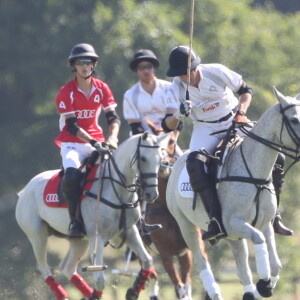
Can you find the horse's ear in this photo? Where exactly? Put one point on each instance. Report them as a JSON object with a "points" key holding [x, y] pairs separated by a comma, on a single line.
{"points": [[162, 137], [297, 97], [145, 135], [282, 99]]}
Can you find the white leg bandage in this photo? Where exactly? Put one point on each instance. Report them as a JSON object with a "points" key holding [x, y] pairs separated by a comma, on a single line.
{"points": [[262, 261], [209, 282]]}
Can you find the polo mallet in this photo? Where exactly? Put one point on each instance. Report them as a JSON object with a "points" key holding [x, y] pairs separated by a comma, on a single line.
{"points": [[94, 267], [187, 96]]}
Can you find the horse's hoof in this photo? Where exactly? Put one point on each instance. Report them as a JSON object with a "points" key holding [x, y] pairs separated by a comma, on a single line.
{"points": [[154, 298], [248, 296], [264, 288], [131, 294]]}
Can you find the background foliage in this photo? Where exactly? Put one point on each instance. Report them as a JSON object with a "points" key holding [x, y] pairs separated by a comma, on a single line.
{"points": [[259, 39]]}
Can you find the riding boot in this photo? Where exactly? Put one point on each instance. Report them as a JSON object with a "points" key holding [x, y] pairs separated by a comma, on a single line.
{"points": [[147, 229], [278, 180], [201, 183], [71, 190]]}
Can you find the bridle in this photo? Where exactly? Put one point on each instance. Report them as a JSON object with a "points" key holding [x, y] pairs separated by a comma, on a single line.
{"points": [[292, 153], [140, 182]]}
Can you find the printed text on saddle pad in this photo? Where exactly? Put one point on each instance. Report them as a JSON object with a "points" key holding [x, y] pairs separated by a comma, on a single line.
{"points": [[52, 195]]}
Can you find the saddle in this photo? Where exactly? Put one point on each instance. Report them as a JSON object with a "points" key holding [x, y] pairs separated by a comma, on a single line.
{"points": [[53, 195]]}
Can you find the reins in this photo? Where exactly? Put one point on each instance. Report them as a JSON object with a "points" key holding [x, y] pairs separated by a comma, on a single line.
{"points": [[262, 184], [110, 165]]}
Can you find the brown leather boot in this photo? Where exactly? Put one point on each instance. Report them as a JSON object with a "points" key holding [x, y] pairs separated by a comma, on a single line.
{"points": [[280, 228]]}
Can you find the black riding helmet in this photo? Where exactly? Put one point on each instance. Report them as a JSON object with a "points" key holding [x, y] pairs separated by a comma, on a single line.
{"points": [[143, 54], [178, 61], [82, 51]]}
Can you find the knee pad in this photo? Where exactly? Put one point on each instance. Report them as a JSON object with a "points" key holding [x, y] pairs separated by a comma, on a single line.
{"points": [[195, 165]]}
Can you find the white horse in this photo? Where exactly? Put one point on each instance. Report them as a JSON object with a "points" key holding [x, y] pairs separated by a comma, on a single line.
{"points": [[247, 198], [136, 160]]}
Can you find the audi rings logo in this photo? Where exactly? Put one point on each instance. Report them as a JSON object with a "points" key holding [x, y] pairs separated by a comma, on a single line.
{"points": [[185, 187], [52, 198], [85, 114]]}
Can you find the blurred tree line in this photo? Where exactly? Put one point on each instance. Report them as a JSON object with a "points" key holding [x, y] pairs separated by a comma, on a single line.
{"points": [[250, 37]]}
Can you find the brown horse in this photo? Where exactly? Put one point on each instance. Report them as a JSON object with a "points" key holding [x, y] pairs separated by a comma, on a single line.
{"points": [[168, 241]]}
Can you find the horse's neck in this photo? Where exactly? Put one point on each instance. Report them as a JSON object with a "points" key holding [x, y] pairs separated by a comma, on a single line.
{"points": [[259, 158]]}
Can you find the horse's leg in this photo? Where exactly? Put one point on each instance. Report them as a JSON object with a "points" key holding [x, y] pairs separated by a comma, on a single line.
{"points": [[154, 286], [240, 253], [170, 267], [97, 259], [70, 263], [135, 243], [185, 262], [275, 263], [37, 232], [240, 228], [39, 244], [192, 238]]}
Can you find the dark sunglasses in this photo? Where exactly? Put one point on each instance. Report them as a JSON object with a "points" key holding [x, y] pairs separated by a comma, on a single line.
{"points": [[145, 67], [84, 61]]}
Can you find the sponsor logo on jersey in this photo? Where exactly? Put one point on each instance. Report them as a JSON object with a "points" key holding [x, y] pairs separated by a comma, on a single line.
{"points": [[85, 114], [211, 107], [185, 187], [50, 198]]}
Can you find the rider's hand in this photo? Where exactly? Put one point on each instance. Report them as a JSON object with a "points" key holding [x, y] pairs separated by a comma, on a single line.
{"points": [[98, 146], [184, 110], [241, 118], [112, 142]]}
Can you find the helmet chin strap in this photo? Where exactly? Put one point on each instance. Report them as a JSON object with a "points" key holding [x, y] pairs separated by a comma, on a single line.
{"points": [[87, 77]]}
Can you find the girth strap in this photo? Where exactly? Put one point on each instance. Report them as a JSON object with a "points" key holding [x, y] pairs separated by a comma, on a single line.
{"points": [[250, 180], [112, 205]]}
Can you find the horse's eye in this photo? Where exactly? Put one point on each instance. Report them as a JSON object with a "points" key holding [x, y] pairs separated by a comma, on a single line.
{"points": [[295, 120]]}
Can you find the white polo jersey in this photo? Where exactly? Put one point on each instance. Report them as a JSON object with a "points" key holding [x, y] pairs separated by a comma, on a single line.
{"points": [[213, 98], [139, 104]]}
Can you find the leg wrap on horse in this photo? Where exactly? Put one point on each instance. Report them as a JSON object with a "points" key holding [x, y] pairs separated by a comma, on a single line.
{"points": [[57, 289], [82, 285], [140, 281]]}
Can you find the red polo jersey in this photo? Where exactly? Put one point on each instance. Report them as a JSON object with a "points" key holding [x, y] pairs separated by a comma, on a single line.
{"points": [[71, 99]]}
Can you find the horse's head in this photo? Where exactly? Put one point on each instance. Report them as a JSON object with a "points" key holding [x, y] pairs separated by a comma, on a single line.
{"points": [[147, 158], [290, 110]]}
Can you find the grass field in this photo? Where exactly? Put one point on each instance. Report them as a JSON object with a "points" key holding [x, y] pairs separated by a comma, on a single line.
{"points": [[117, 285]]}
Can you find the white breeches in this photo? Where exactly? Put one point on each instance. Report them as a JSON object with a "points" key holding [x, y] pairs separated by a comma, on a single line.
{"points": [[73, 154], [201, 137]]}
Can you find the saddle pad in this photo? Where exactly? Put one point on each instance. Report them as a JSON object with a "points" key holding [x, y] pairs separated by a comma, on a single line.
{"points": [[184, 187], [51, 191], [50, 196]]}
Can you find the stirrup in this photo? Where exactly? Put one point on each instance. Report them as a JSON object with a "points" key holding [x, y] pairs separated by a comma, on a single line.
{"points": [[76, 230], [147, 229], [214, 232], [279, 228]]}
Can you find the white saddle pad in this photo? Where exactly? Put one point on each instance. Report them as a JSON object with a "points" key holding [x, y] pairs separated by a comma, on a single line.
{"points": [[184, 186]]}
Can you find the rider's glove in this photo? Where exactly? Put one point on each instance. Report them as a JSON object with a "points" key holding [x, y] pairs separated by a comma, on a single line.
{"points": [[112, 142], [98, 146], [184, 110], [241, 117]]}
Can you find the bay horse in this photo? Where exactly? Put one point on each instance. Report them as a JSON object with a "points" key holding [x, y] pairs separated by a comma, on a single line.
{"points": [[136, 160], [247, 199], [168, 241]]}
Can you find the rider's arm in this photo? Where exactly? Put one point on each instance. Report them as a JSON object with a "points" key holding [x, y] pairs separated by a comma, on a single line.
{"points": [[74, 129], [245, 96]]}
